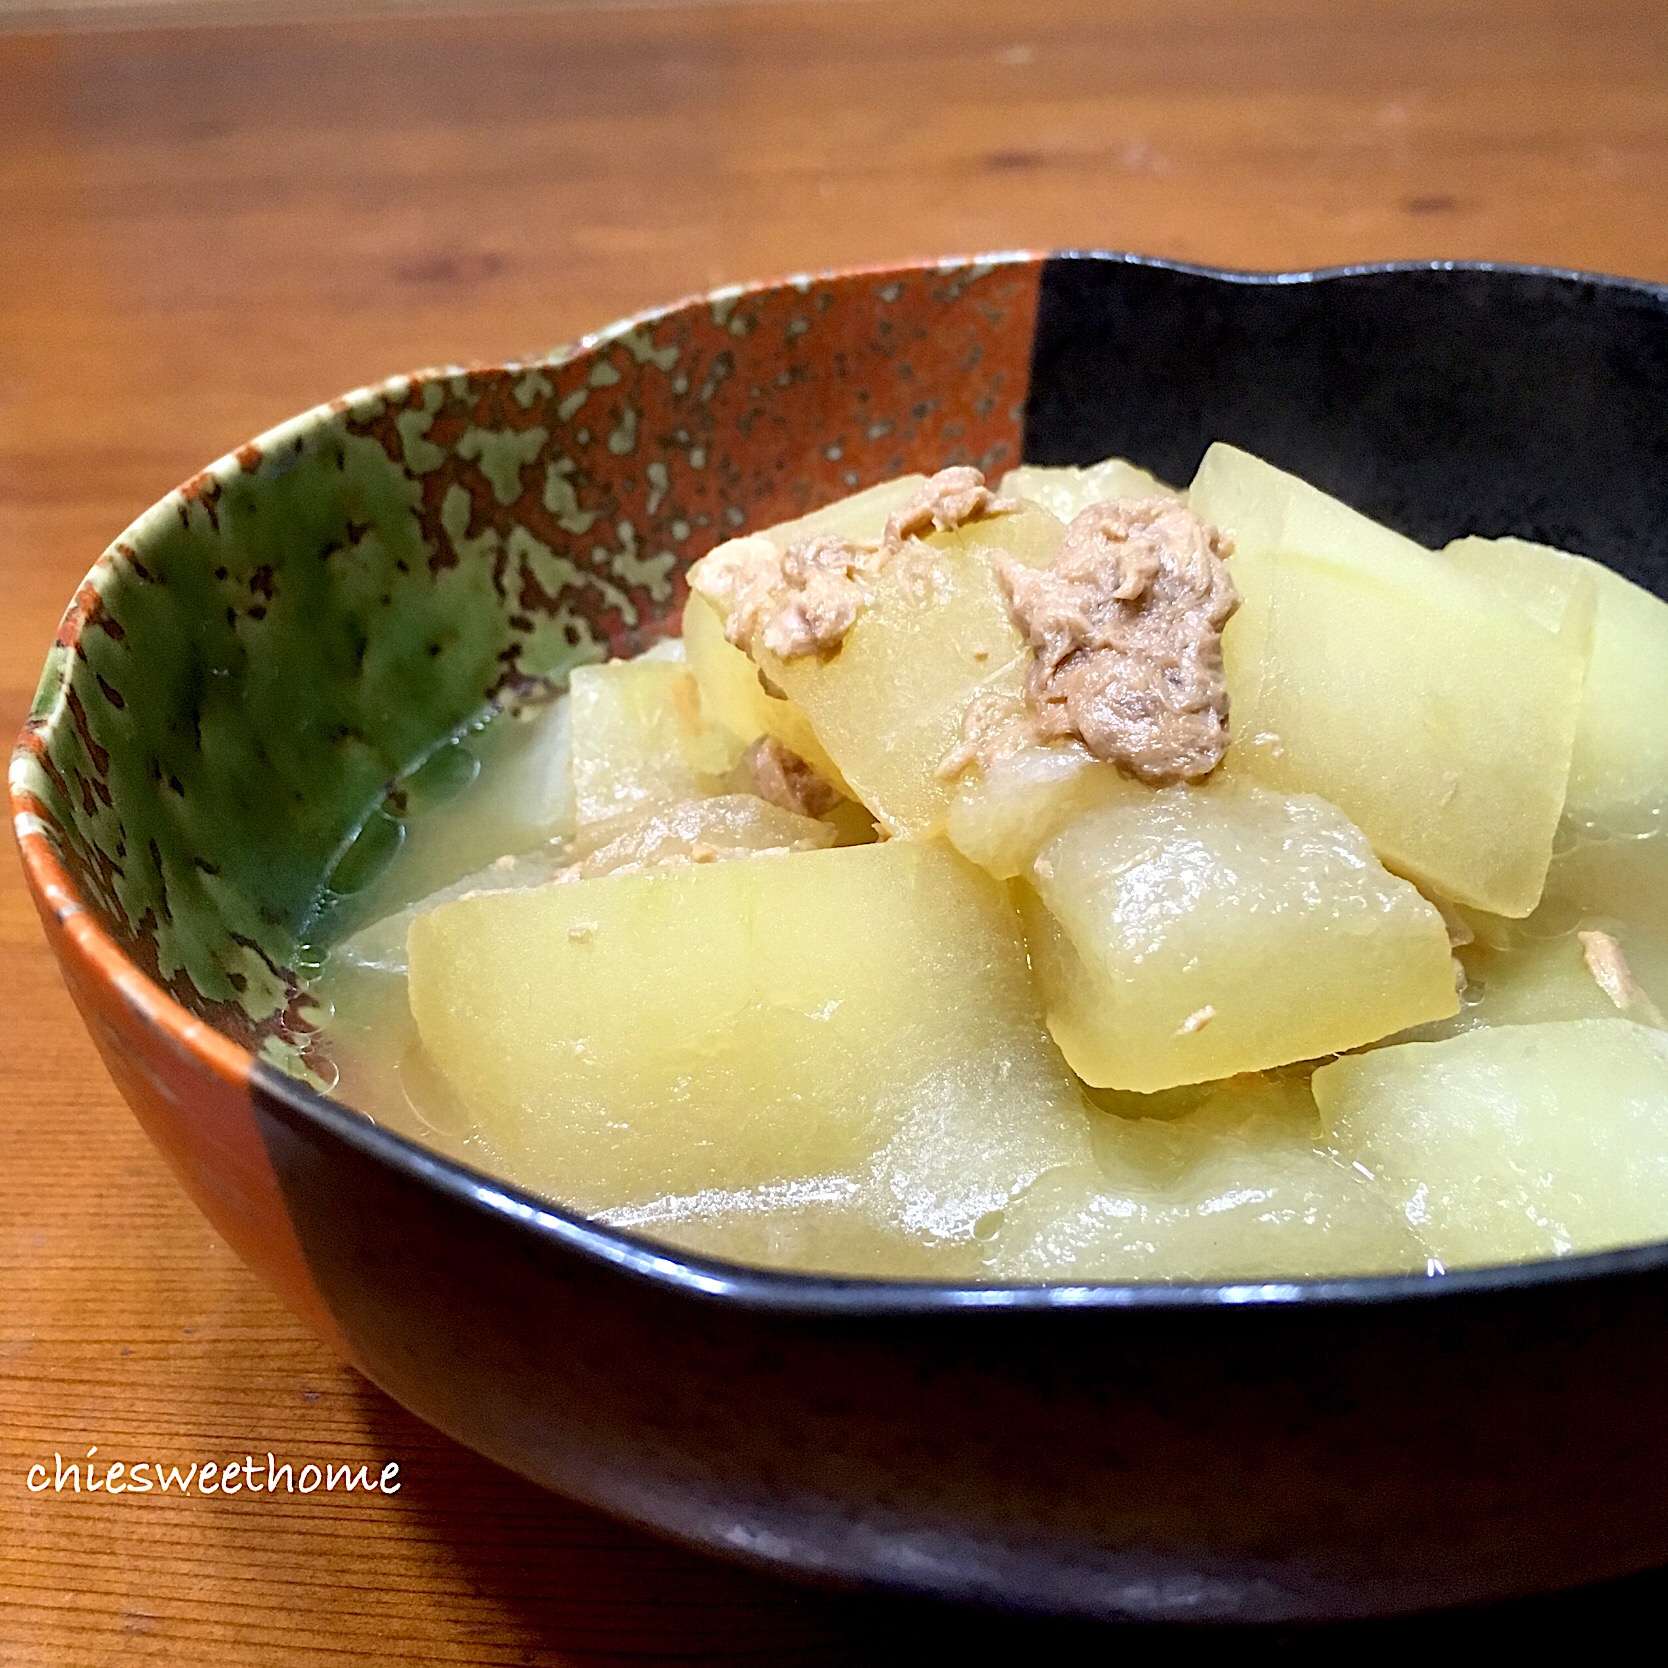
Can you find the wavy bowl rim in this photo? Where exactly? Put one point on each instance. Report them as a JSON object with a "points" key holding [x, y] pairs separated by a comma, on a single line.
{"points": [[715, 1279]]}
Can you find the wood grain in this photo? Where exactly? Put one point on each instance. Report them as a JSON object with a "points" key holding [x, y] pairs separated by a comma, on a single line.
{"points": [[203, 230]]}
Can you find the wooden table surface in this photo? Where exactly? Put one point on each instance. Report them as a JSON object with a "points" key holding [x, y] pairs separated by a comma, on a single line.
{"points": [[208, 223]]}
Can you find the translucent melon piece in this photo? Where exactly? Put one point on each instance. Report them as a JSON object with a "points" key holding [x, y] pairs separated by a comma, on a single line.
{"points": [[1509, 1144], [1001, 817], [1619, 766], [922, 1207], [1553, 588], [731, 1025], [1065, 489], [640, 737], [1192, 933], [720, 828], [1271, 513], [1238, 1188], [1030, 534], [732, 694], [669, 649], [862, 516], [525, 786], [936, 633], [1413, 695]]}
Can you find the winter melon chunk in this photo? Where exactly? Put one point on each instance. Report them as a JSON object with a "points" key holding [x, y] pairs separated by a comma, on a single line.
{"points": [[1240, 1187], [1192, 933], [1000, 816], [1437, 714], [737, 1024], [1515, 1142], [1619, 765], [1064, 489], [730, 681], [732, 693], [640, 736], [935, 635]]}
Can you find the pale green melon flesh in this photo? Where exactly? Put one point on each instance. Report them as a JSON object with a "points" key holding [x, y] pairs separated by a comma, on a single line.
{"points": [[731, 1025], [1619, 765], [861, 517], [732, 693], [1516, 1142], [1065, 489], [641, 737], [1238, 1188], [935, 635], [1001, 815], [1395, 684], [1524, 972], [1192, 933]]}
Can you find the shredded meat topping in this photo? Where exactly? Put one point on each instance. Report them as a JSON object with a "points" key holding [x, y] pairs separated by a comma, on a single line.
{"points": [[735, 569], [803, 600], [780, 776], [798, 601], [1610, 971], [1126, 626], [951, 498]]}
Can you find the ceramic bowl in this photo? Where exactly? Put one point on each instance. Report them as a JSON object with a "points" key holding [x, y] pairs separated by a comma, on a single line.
{"points": [[250, 672]]}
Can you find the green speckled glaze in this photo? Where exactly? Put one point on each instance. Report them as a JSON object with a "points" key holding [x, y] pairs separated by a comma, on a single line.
{"points": [[249, 677]]}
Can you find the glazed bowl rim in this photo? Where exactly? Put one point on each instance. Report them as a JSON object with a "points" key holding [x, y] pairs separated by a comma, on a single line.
{"points": [[643, 1259]]}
